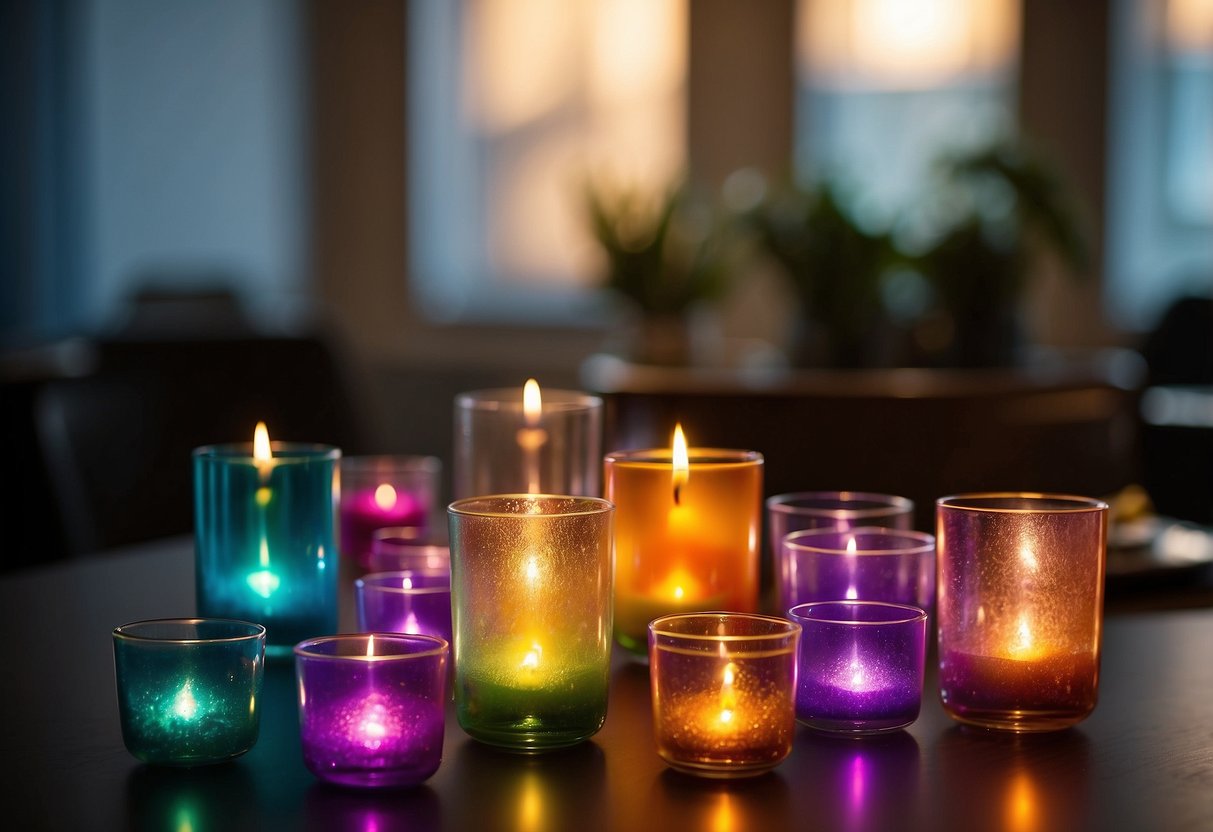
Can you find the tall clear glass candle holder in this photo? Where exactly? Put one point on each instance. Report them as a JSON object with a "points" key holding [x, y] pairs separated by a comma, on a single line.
{"points": [[531, 593], [1020, 608]]}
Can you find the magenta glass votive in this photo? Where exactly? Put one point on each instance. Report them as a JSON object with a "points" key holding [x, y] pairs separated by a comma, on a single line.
{"points": [[371, 707], [402, 547], [409, 601], [382, 491], [861, 564], [860, 665]]}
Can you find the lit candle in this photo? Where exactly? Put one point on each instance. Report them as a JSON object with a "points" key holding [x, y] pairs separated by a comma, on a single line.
{"points": [[264, 528], [381, 492], [688, 529], [722, 691], [531, 580], [371, 707], [188, 688], [1020, 608]]}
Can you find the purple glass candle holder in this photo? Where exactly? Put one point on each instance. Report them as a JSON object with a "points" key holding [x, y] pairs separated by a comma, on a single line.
{"points": [[371, 707], [865, 564], [411, 601], [382, 491], [860, 665], [398, 548]]}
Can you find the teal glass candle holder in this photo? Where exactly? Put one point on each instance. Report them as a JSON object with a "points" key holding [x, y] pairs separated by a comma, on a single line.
{"points": [[264, 531], [531, 596], [188, 688]]}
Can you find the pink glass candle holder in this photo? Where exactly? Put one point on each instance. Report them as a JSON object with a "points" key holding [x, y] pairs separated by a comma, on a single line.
{"points": [[402, 547], [371, 707], [410, 601], [722, 686], [867, 563], [860, 665], [384, 491], [1020, 608]]}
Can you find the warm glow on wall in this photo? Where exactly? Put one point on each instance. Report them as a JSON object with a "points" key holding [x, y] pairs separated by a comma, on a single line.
{"points": [[904, 44], [1190, 25]]}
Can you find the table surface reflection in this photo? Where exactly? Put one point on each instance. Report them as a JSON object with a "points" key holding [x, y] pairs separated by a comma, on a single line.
{"points": [[1144, 760]]}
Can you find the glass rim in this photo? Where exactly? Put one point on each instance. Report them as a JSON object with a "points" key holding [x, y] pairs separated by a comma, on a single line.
{"points": [[362, 463], [889, 504], [306, 648], [1078, 503], [592, 506], [124, 632], [429, 571], [925, 541], [701, 457], [281, 450], [509, 400], [918, 613], [789, 628]]}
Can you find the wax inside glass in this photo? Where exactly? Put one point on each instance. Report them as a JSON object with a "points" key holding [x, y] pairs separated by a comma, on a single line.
{"points": [[689, 551], [265, 538], [1020, 608], [188, 689], [864, 563], [385, 491], [371, 708], [397, 548], [722, 689], [407, 601], [860, 665]]}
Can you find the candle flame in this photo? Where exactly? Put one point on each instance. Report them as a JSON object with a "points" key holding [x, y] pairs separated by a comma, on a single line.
{"points": [[407, 583], [261, 444], [373, 723], [370, 646], [184, 704], [728, 698], [1028, 558], [531, 660], [531, 570], [678, 593], [856, 674], [385, 497], [1025, 636], [532, 402], [852, 593], [412, 625], [681, 463], [851, 546]]}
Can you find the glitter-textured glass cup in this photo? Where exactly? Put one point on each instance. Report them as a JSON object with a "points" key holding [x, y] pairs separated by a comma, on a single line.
{"points": [[865, 563], [722, 686], [1020, 608], [371, 707], [401, 547], [385, 491], [860, 665], [188, 688], [410, 601], [531, 588]]}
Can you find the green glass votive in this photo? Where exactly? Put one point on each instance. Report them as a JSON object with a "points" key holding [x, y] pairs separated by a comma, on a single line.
{"points": [[188, 688], [264, 529], [531, 602]]}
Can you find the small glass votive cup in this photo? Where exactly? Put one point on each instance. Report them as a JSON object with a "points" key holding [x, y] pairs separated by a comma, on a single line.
{"points": [[188, 688], [415, 601], [865, 563], [371, 707], [385, 491], [722, 686], [1021, 580], [397, 548], [860, 665]]}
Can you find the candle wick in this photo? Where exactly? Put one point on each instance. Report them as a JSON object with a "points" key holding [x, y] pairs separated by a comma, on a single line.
{"points": [[677, 493]]}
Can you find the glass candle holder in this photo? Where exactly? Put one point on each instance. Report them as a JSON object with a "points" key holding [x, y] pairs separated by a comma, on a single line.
{"points": [[683, 544], [1020, 608], [188, 688], [400, 547], [504, 447], [410, 601], [860, 665], [868, 564], [531, 585], [371, 707], [264, 535], [385, 491], [722, 688]]}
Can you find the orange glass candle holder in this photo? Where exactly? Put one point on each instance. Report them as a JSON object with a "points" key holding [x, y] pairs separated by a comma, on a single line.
{"points": [[1020, 608], [685, 541]]}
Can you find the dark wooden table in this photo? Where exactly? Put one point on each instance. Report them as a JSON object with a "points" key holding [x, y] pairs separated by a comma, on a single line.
{"points": [[1144, 760]]}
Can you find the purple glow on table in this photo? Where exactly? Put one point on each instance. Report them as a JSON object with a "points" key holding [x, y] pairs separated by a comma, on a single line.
{"points": [[860, 665], [866, 564], [409, 601], [363, 512], [371, 708]]}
